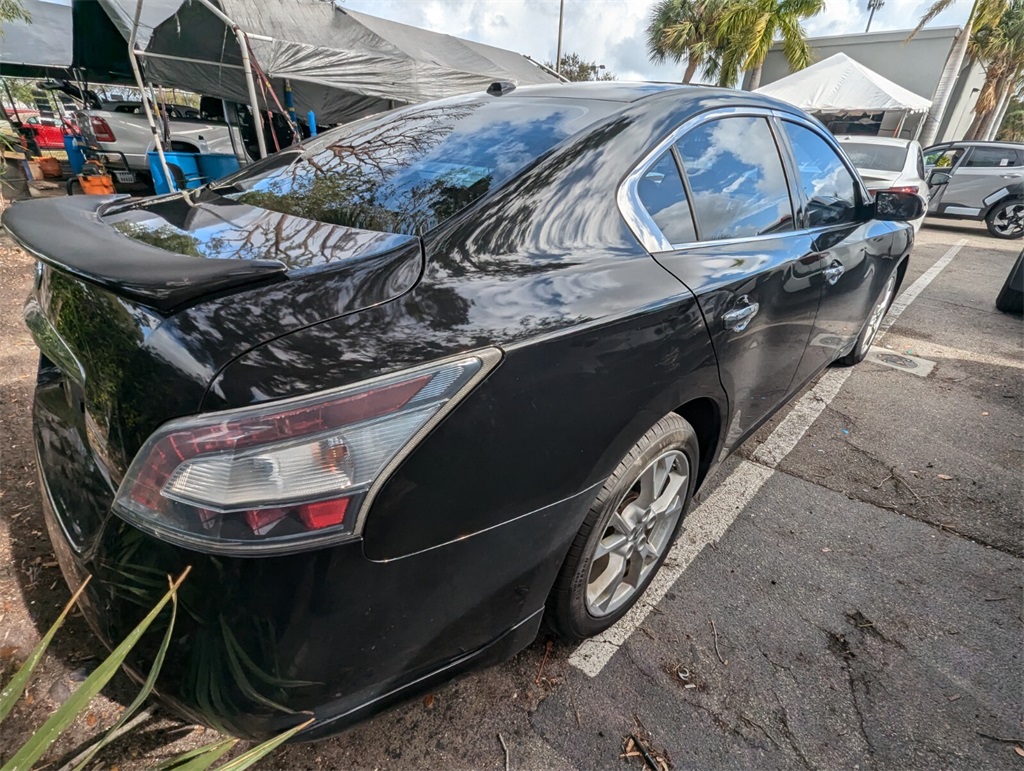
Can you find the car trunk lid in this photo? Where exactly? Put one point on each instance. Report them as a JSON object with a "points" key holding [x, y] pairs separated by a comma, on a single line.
{"points": [[144, 302]]}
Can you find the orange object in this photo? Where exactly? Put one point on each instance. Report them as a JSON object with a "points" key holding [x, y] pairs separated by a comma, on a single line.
{"points": [[97, 184], [50, 167]]}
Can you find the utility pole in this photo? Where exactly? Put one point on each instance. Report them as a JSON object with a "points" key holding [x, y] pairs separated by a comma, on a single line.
{"points": [[558, 54], [873, 5]]}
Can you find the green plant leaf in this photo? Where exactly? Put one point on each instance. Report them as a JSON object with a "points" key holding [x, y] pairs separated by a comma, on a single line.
{"points": [[10, 695], [41, 740], [248, 758], [198, 759], [140, 699]]}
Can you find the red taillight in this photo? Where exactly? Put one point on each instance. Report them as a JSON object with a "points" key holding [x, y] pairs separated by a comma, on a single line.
{"points": [[101, 130], [273, 477], [906, 189]]}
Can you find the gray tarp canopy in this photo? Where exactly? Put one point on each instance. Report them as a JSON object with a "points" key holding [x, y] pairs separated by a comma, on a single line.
{"points": [[45, 42], [340, 63]]}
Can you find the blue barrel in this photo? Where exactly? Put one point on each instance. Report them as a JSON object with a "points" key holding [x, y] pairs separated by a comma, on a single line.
{"points": [[76, 157], [181, 165], [216, 165]]}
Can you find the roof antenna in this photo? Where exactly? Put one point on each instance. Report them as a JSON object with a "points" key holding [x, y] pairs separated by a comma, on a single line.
{"points": [[500, 88]]}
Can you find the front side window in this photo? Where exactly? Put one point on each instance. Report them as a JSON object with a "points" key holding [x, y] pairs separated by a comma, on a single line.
{"points": [[992, 157], [943, 157], [828, 186], [736, 179], [662, 194]]}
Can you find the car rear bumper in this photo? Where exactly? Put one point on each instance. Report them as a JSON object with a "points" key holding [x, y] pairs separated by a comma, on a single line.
{"points": [[329, 632]]}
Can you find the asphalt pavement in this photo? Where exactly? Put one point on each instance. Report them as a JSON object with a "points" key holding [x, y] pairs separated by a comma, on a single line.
{"points": [[862, 609], [847, 592]]}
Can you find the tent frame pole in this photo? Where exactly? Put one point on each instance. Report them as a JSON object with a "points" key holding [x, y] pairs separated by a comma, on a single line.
{"points": [[145, 102], [243, 44], [903, 118]]}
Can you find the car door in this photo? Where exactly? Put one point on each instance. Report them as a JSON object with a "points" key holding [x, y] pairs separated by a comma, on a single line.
{"points": [[985, 171], [939, 159], [721, 219], [848, 245]]}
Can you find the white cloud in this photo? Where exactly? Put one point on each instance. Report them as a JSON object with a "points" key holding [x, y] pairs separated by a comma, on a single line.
{"points": [[611, 32]]}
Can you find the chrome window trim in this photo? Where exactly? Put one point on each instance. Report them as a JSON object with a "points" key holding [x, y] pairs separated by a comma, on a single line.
{"points": [[640, 221]]}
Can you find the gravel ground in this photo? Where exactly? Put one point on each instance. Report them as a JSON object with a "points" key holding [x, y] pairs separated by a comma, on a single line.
{"points": [[868, 611]]}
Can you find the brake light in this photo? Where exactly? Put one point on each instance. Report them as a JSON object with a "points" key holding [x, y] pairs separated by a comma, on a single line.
{"points": [[906, 189], [101, 130], [290, 474]]}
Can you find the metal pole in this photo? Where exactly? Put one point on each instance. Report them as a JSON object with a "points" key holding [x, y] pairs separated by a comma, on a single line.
{"points": [[247, 69], [558, 54], [145, 102], [873, 5], [899, 127]]}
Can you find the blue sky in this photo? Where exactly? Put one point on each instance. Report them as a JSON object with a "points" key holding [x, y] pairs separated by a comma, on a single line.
{"points": [[611, 32]]}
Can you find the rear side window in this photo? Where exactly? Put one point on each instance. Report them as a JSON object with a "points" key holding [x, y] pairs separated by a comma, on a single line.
{"points": [[992, 157], [827, 184], [920, 165], [407, 172], [662, 194], [736, 179]]}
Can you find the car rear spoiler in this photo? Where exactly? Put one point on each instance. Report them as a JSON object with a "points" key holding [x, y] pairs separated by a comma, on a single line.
{"points": [[67, 233]]}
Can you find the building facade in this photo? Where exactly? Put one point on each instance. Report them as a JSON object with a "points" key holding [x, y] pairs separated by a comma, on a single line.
{"points": [[916, 65]]}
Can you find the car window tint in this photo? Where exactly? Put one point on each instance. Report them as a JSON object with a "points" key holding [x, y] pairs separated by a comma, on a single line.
{"points": [[662, 194], [920, 164], [827, 184], [736, 179], [992, 157], [865, 155], [409, 170]]}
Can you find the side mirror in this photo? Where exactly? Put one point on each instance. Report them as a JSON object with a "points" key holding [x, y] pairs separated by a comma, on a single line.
{"points": [[938, 178], [899, 207]]}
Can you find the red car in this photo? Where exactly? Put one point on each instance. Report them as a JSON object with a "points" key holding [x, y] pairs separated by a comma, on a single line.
{"points": [[49, 135]]}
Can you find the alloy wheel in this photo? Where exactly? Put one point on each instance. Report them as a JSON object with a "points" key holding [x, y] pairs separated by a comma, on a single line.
{"points": [[1009, 221], [879, 311], [637, 533]]}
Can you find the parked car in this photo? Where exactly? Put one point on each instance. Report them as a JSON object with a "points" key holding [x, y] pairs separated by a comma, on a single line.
{"points": [[48, 132], [887, 163], [400, 393], [978, 181], [122, 132]]}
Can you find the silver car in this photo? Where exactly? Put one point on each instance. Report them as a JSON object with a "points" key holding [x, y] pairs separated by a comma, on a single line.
{"points": [[887, 163], [978, 181]]}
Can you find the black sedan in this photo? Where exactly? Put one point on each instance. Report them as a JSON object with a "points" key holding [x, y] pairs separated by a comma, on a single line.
{"points": [[402, 392]]}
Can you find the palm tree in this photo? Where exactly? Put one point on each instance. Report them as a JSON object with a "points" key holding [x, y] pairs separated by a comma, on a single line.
{"points": [[1000, 48], [983, 12], [748, 28], [684, 29]]}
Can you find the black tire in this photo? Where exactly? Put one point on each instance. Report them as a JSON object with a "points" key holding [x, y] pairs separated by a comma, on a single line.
{"points": [[567, 610], [869, 331], [1006, 220], [1011, 297]]}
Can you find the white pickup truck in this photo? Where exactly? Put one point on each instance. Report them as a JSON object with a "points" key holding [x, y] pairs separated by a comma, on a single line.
{"points": [[121, 132]]}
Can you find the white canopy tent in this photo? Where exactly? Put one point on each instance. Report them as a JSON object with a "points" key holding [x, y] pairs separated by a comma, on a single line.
{"points": [[841, 85]]}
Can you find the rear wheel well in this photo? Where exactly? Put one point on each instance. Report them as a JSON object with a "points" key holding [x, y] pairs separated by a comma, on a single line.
{"points": [[704, 416]]}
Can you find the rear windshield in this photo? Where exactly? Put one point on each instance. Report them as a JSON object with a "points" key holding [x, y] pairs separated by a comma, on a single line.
{"points": [[410, 171], [881, 157]]}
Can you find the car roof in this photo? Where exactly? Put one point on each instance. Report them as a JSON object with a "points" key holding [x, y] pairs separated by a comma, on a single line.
{"points": [[891, 141], [605, 90], [634, 91], [977, 143]]}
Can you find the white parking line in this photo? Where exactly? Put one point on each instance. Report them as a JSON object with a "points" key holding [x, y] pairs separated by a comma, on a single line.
{"points": [[709, 521]]}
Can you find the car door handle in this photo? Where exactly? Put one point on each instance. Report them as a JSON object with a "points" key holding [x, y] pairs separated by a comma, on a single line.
{"points": [[738, 318], [1011, 176], [834, 272]]}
